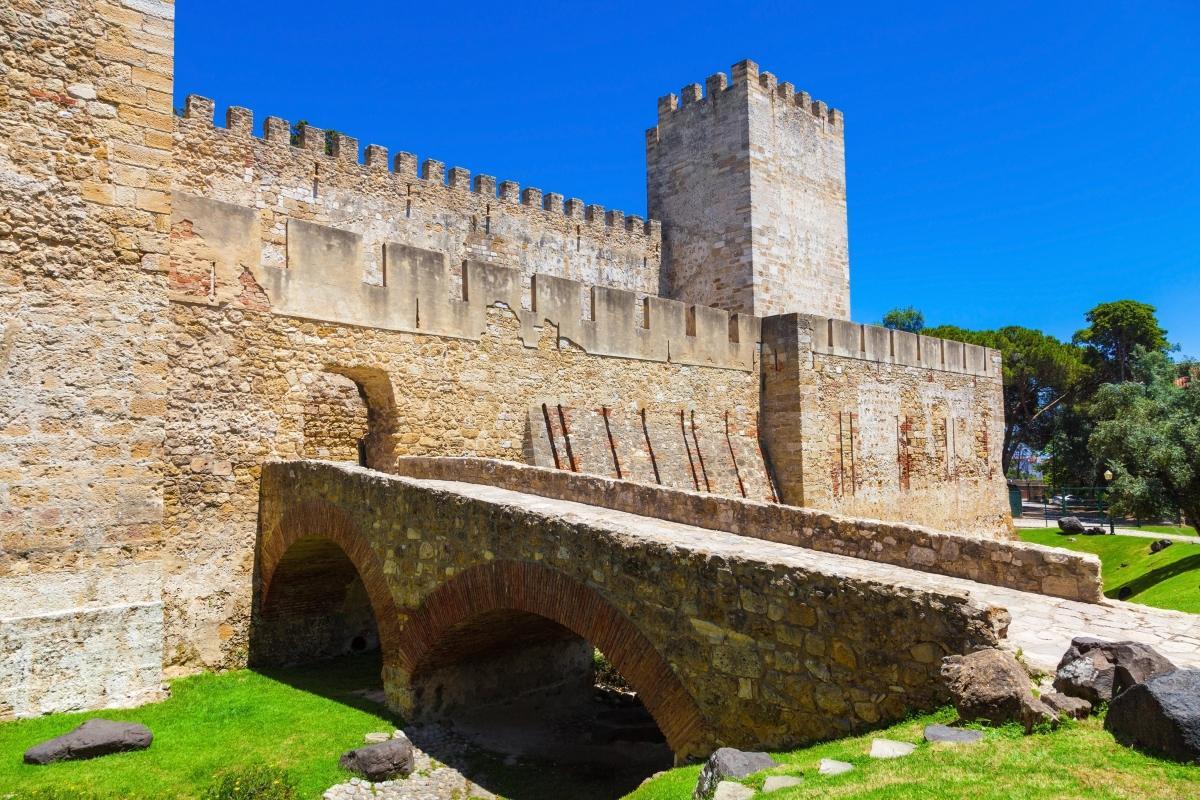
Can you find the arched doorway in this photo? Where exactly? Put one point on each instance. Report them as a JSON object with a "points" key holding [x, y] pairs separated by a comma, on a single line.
{"points": [[348, 415]]}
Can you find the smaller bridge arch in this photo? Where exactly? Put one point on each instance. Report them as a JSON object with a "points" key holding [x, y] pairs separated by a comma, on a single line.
{"points": [[318, 535], [527, 589]]}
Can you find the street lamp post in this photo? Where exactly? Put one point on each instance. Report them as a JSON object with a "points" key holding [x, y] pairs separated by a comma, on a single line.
{"points": [[1108, 476]]}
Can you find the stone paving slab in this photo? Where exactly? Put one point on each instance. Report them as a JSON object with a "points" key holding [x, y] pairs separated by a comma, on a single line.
{"points": [[1042, 627]]}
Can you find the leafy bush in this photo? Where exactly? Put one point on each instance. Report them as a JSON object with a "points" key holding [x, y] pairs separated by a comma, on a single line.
{"points": [[259, 782]]}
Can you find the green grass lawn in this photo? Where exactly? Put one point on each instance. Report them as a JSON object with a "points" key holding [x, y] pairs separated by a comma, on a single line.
{"points": [[211, 723], [1169, 578], [1081, 761]]}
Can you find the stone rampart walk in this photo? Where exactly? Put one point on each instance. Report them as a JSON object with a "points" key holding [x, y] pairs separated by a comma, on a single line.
{"points": [[1042, 627]]}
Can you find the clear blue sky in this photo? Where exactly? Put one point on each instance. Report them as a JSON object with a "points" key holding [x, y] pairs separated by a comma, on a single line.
{"points": [[1011, 165]]}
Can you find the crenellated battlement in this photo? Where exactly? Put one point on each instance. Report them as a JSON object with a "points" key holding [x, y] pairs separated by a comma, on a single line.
{"points": [[323, 279], [839, 337], [746, 75], [344, 152]]}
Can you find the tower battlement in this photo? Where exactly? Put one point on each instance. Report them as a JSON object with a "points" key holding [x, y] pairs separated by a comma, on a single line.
{"points": [[744, 73]]}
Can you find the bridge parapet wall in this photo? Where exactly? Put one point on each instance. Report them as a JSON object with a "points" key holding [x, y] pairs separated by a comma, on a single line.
{"points": [[729, 641], [1015, 565]]}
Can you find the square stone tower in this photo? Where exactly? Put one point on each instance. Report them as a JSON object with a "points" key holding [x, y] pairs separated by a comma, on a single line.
{"points": [[749, 181]]}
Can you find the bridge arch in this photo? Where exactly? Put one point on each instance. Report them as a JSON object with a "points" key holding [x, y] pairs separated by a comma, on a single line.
{"points": [[313, 550], [530, 589]]}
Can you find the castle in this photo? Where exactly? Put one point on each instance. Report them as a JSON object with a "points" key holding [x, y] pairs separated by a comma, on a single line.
{"points": [[182, 302]]}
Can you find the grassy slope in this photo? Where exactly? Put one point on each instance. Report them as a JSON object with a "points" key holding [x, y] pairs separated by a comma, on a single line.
{"points": [[1167, 579], [1186, 530], [210, 723], [1080, 761]]}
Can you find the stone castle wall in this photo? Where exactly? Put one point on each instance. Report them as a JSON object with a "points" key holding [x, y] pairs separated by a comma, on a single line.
{"points": [[869, 422], [321, 180], [85, 170], [241, 381], [749, 180]]}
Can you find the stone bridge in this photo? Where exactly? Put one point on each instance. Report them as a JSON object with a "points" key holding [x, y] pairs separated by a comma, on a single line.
{"points": [[477, 591]]}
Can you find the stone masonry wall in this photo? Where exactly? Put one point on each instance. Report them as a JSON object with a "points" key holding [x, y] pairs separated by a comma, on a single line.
{"points": [[867, 422], [729, 640], [322, 180], [1016, 565], [749, 181], [240, 382], [85, 166]]}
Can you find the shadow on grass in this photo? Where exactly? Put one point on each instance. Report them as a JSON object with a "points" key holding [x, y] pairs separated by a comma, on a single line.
{"points": [[1156, 576], [352, 681]]}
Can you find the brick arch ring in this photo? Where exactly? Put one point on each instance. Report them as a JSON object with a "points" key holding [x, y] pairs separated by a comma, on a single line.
{"points": [[323, 520], [536, 589]]}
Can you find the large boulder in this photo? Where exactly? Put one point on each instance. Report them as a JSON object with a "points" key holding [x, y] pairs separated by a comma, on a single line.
{"points": [[991, 685], [1071, 525], [380, 761], [1097, 671], [1161, 715], [96, 737], [1066, 706], [728, 763]]}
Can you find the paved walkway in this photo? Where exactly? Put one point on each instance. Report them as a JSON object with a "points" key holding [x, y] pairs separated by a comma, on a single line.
{"points": [[1042, 627]]}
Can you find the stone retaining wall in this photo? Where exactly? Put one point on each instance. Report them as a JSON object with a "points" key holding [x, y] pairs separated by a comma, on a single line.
{"points": [[1028, 567]]}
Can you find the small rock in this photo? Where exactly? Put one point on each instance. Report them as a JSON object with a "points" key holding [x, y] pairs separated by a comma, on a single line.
{"points": [[380, 761], [1067, 706], [376, 738], [889, 748], [829, 766], [728, 790], [1161, 544], [96, 737], [944, 733], [1097, 671], [1161, 715], [774, 782], [991, 685], [1095, 530], [728, 762], [1071, 525], [82, 91]]}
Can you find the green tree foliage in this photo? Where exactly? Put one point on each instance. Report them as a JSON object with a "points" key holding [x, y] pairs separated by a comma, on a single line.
{"points": [[1148, 433], [1115, 330], [294, 136], [904, 319], [1040, 374]]}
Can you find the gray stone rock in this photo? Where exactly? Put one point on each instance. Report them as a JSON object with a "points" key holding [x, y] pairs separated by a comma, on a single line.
{"points": [[1161, 716], [830, 766], [1161, 544], [377, 737], [96, 737], [380, 761], [991, 685], [728, 763], [774, 782], [1097, 671], [944, 733], [890, 748], [1067, 706], [1071, 525], [729, 790]]}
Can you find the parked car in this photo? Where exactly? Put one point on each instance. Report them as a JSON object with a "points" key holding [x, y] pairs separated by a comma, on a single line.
{"points": [[1061, 499]]}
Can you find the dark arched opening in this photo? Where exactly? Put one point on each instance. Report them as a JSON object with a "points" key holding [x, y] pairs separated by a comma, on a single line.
{"points": [[523, 688], [316, 608]]}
